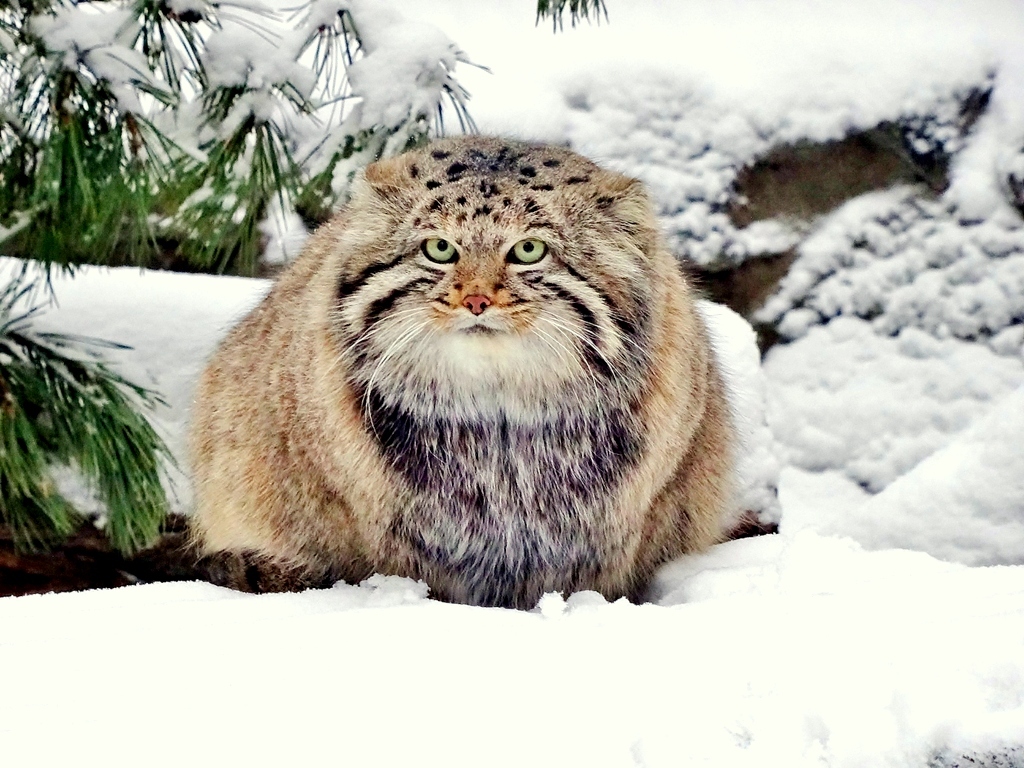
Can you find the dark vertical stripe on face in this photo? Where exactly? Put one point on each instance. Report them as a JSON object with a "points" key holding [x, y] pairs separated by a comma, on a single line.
{"points": [[623, 322], [385, 303], [347, 287], [591, 350]]}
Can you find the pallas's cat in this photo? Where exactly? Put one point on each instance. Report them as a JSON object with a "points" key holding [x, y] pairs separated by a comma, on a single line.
{"points": [[486, 372]]}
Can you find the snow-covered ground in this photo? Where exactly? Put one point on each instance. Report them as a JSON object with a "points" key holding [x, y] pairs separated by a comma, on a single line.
{"points": [[883, 626], [777, 651]]}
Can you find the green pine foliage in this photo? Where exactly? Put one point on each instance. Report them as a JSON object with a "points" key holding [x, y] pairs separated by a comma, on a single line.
{"points": [[92, 177], [80, 167], [61, 406], [129, 142]]}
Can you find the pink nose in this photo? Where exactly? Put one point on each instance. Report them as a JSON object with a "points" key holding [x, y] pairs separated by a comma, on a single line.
{"points": [[476, 304]]}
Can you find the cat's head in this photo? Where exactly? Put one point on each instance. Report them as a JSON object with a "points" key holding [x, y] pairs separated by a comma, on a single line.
{"points": [[479, 263]]}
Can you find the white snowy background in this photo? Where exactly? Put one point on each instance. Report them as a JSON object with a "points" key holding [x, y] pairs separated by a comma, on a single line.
{"points": [[883, 625]]}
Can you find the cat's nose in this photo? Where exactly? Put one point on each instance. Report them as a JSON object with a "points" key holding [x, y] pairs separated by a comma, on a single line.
{"points": [[476, 304]]}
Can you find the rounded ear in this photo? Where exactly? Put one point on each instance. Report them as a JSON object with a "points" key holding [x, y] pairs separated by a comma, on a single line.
{"points": [[626, 201], [390, 181]]}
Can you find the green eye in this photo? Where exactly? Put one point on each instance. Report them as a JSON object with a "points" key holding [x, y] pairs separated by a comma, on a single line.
{"points": [[439, 250], [528, 251]]}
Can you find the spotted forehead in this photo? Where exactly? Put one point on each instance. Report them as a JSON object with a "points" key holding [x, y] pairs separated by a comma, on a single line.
{"points": [[478, 181], [521, 167]]}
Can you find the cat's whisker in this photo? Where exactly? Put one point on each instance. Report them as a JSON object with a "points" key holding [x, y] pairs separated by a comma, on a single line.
{"points": [[395, 347], [562, 353], [583, 338], [403, 331], [626, 340], [377, 328], [591, 376]]}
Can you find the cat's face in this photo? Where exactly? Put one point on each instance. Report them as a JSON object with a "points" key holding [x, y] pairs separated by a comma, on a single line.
{"points": [[480, 282]]}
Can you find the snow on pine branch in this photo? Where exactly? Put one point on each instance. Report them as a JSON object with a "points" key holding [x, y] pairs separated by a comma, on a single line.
{"points": [[100, 40], [398, 77], [397, 68]]}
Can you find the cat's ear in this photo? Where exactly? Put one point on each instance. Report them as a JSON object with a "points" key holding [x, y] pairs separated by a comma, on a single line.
{"points": [[625, 201], [392, 181]]}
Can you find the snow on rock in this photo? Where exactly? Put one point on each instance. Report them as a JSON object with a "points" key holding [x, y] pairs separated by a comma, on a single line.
{"points": [[995, 152], [844, 398], [688, 145], [798, 651], [686, 148], [758, 466], [965, 502], [934, 425], [905, 262]]}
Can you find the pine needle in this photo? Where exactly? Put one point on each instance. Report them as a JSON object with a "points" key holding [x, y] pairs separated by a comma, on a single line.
{"points": [[60, 405]]}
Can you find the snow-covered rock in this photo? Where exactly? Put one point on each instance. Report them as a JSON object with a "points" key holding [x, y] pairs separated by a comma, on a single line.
{"points": [[846, 398], [904, 262], [964, 503]]}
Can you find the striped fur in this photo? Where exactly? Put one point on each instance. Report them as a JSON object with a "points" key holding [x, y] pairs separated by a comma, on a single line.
{"points": [[571, 436]]}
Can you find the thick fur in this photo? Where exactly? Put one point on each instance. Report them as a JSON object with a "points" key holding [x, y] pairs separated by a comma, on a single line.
{"points": [[574, 435]]}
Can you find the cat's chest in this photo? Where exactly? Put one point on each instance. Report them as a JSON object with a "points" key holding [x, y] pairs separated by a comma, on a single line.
{"points": [[563, 460], [495, 502]]}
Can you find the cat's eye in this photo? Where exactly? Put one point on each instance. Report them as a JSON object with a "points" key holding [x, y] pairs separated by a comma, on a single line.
{"points": [[439, 250], [528, 251]]}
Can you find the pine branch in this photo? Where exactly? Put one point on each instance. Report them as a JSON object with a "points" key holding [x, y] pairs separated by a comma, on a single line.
{"points": [[218, 224], [82, 164], [61, 405], [92, 178], [172, 42]]}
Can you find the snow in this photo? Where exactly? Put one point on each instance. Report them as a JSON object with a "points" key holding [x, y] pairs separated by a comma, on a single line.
{"points": [[403, 68], [961, 503], [757, 470], [845, 398], [905, 262], [882, 626], [801, 651], [97, 39]]}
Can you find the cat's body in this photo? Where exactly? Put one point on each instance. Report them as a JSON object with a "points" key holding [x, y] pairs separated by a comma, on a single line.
{"points": [[421, 395]]}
